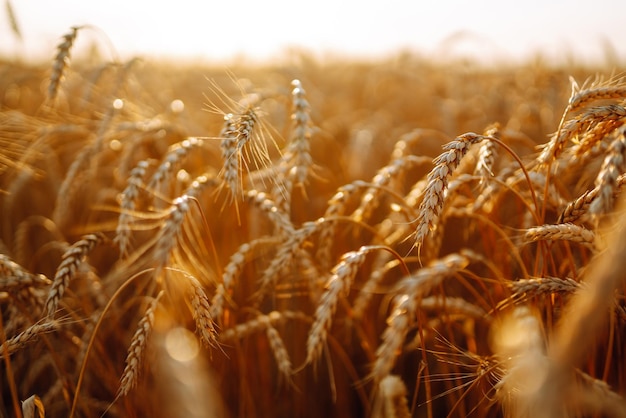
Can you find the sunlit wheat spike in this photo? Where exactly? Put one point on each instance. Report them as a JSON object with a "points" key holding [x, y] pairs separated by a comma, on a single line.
{"points": [[281, 355], [336, 207], [433, 200], [14, 277], [175, 154], [293, 167], [137, 348], [231, 273], [259, 323], [566, 232], [579, 207], [70, 261], [281, 220], [127, 206], [284, 256], [172, 225], [525, 289], [61, 62], [299, 155], [201, 311], [585, 96], [605, 120], [383, 178], [606, 181], [170, 229], [24, 338], [392, 396], [453, 305], [406, 303], [339, 284], [230, 155], [487, 155], [579, 99]]}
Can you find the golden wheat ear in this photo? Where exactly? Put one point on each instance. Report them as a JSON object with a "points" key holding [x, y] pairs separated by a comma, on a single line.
{"points": [[61, 61]]}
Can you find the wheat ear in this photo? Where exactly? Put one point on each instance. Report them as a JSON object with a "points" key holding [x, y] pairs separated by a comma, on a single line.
{"points": [[15, 277], [567, 232], [392, 395], [433, 200], [127, 206], [606, 182], [201, 311], [285, 255], [579, 207], [61, 61], [406, 303], [137, 348], [24, 338], [175, 154], [70, 261], [339, 283]]}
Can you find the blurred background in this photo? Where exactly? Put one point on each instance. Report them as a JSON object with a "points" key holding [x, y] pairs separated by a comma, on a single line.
{"points": [[269, 29]]}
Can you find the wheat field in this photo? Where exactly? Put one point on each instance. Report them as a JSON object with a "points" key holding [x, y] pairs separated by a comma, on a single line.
{"points": [[392, 238]]}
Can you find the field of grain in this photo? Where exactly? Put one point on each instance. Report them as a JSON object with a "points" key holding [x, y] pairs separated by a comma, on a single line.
{"points": [[393, 238]]}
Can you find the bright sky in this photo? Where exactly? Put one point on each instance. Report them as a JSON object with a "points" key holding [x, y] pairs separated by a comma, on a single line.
{"points": [[261, 29]]}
